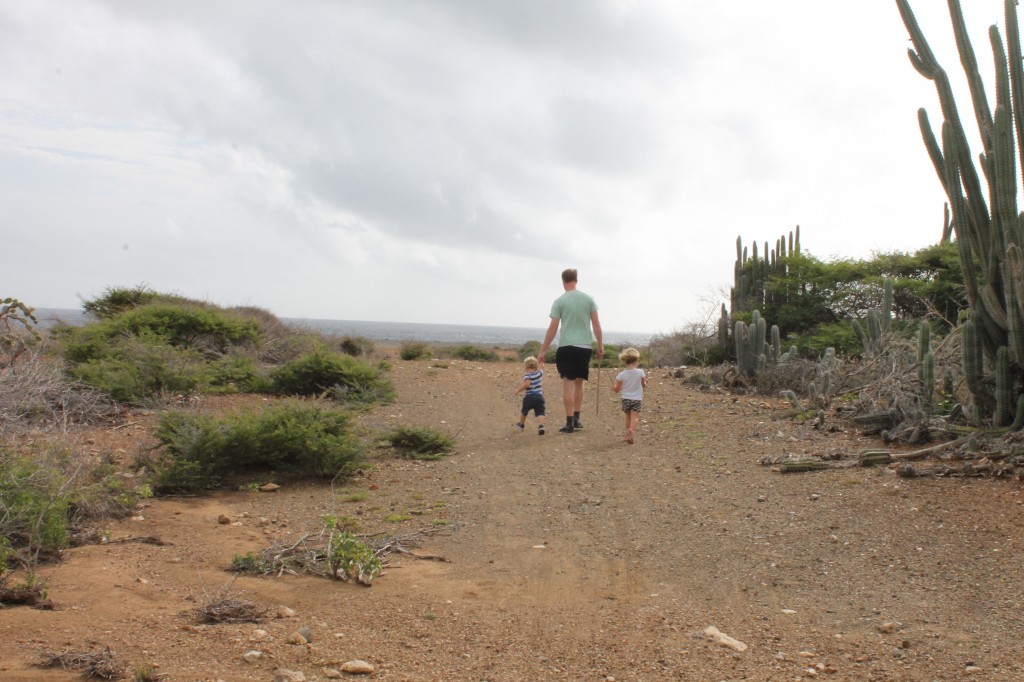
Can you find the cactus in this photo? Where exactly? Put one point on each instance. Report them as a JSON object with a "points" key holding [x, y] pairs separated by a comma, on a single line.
{"points": [[751, 354], [878, 323], [989, 231], [926, 373]]}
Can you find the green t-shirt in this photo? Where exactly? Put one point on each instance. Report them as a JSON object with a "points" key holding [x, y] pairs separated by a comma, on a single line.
{"points": [[573, 309]]}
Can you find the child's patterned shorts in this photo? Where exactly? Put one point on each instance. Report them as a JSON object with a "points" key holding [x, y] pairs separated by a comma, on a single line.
{"points": [[630, 405]]}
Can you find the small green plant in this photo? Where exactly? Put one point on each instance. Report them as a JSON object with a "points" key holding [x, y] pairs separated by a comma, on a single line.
{"points": [[397, 518], [420, 442], [348, 557], [430, 615], [441, 522], [355, 497], [145, 672], [414, 350], [251, 562]]}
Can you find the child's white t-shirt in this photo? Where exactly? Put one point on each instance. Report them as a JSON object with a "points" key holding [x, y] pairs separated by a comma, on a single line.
{"points": [[632, 383]]}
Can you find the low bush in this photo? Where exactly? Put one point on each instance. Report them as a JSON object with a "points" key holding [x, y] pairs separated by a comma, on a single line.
{"points": [[295, 439], [356, 346], [414, 350], [420, 442], [332, 375], [46, 493], [475, 353]]}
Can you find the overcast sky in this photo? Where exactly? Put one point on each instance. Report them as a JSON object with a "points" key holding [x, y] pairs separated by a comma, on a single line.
{"points": [[444, 160]]}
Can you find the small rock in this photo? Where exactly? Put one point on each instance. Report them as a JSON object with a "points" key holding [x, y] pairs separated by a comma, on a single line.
{"points": [[888, 628], [297, 638], [269, 488], [972, 669], [223, 519], [285, 675], [307, 633], [331, 673], [788, 611], [259, 635], [357, 668], [718, 637], [285, 612], [252, 656]]}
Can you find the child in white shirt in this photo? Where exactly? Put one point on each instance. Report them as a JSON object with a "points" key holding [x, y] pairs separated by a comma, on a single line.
{"points": [[631, 382]]}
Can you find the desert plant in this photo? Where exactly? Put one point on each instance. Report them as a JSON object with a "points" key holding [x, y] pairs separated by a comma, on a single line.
{"points": [[475, 353], [356, 346], [989, 230], [348, 558], [116, 300], [199, 451], [332, 375], [414, 350], [17, 321], [420, 442]]}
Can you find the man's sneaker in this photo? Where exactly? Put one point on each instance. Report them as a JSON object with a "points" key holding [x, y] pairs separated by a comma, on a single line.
{"points": [[518, 426], [578, 425], [540, 430], [566, 429]]}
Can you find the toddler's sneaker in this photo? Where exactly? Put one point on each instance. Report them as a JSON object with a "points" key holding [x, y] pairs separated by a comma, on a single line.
{"points": [[540, 430], [519, 426]]}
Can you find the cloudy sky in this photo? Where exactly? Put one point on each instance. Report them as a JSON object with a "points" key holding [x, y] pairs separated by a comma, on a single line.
{"points": [[444, 160]]}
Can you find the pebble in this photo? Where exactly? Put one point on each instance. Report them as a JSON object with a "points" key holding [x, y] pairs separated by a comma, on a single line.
{"points": [[285, 675], [252, 656], [296, 638], [887, 628], [307, 633], [357, 668], [269, 488], [259, 635], [285, 612], [223, 519], [331, 673]]}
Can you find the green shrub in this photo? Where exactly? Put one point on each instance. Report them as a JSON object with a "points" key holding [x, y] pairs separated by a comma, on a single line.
{"points": [[475, 353], [340, 377], [420, 443], [250, 562], [238, 374], [356, 346], [296, 439], [527, 349], [414, 350], [117, 300]]}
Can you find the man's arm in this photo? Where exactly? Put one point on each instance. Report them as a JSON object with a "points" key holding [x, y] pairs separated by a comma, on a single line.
{"points": [[596, 322], [548, 338]]}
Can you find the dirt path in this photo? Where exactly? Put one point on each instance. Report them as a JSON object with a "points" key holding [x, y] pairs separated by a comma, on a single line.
{"points": [[577, 557]]}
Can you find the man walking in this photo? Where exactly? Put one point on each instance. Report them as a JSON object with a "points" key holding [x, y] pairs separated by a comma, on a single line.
{"points": [[576, 313]]}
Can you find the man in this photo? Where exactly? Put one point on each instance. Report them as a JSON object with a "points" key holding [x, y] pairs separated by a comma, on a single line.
{"points": [[575, 312]]}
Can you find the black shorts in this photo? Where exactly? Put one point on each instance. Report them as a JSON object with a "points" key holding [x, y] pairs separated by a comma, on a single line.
{"points": [[535, 402], [573, 362]]}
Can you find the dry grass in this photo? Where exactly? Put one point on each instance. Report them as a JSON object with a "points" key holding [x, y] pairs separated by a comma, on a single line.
{"points": [[103, 664]]}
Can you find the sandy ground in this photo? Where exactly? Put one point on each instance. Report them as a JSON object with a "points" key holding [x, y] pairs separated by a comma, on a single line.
{"points": [[571, 557]]}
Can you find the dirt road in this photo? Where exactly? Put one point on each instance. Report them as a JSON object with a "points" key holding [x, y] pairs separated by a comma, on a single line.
{"points": [[573, 557]]}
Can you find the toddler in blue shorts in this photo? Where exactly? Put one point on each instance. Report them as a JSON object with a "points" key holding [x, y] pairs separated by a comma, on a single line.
{"points": [[533, 398]]}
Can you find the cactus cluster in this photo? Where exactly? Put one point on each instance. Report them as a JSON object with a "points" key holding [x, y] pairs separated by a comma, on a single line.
{"points": [[878, 323], [752, 273], [989, 230]]}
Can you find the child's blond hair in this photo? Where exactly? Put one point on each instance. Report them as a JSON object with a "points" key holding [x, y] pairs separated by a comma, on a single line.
{"points": [[530, 362], [630, 356]]}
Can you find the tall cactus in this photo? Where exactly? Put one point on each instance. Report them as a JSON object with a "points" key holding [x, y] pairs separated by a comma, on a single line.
{"points": [[878, 323], [751, 355], [989, 230]]}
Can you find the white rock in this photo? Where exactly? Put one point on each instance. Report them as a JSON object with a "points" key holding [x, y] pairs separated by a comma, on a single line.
{"points": [[357, 668], [718, 637], [252, 656], [259, 635], [285, 612]]}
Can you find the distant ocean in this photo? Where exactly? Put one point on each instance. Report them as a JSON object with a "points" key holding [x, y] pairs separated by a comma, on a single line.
{"points": [[391, 331]]}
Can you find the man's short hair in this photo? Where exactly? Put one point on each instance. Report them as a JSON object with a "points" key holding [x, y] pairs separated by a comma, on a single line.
{"points": [[569, 275]]}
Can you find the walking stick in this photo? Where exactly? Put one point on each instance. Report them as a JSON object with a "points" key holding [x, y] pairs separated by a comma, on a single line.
{"points": [[597, 410]]}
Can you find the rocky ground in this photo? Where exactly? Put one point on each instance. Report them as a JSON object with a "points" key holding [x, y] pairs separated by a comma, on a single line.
{"points": [[569, 557]]}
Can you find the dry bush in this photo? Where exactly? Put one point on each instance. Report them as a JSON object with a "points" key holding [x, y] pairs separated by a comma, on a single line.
{"points": [[224, 609], [37, 395], [103, 664]]}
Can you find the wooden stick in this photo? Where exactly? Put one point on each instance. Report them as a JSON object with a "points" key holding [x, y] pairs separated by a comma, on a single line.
{"points": [[597, 410]]}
